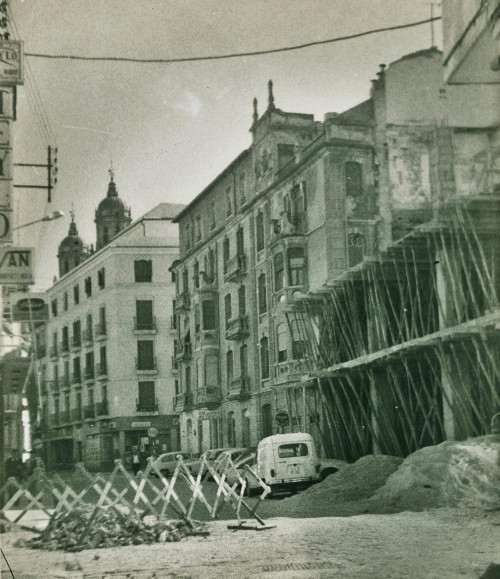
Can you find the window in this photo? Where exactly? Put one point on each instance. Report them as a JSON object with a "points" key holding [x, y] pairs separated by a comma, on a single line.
{"points": [[88, 332], [198, 228], [65, 301], [259, 225], [292, 450], [143, 270], [188, 379], [296, 262], [229, 203], [209, 314], [281, 342], [53, 306], [102, 320], [77, 334], [262, 293], [89, 365], [212, 371], [65, 339], [105, 235], [353, 179], [299, 344], [243, 193], [244, 360], [145, 355], [76, 294], [196, 274], [279, 270], [245, 428], [227, 308], [212, 215], [225, 252], [103, 362], [264, 358], [240, 242], [355, 248], [76, 369], [242, 300], [187, 235], [101, 278], [286, 154], [231, 429], [79, 405], [229, 366], [146, 396], [210, 266], [88, 286], [144, 315]]}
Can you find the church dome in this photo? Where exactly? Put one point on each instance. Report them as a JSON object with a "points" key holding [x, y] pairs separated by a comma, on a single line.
{"points": [[111, 216], [72, 242], [112, 205], [72, 250]]}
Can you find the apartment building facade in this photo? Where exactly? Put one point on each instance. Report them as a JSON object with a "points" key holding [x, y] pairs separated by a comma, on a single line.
{"points": [[105, 354]]}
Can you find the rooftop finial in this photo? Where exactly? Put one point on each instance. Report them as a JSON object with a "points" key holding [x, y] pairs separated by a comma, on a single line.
{"points": [[255, 111], [111, 171], [270, 99], [72, 213]]}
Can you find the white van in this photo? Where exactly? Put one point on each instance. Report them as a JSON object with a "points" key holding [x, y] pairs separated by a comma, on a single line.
{"points": [[285, 461]]}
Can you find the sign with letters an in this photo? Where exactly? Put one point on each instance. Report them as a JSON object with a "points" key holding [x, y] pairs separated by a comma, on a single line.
{"points": [[11, 62], [16, 265], [29, 307], [5, 226]]}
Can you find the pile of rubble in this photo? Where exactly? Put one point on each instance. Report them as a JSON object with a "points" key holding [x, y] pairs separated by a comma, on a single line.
{"points": [[109, 528]]}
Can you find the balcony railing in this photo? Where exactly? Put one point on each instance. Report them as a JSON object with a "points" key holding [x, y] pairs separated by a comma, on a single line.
{"points": [[237, 328], [76, 378], [102, 369], [182, 301], [89, 411], [183, 401], [89, 373], [207, 338], [53, 351], [146, 366], [184, 353], [76, 415], [102, 408], [65, 381], [88, 336], [239, 388], [146, 405], [100, 331], [145, 326], [210, 396], [64, 347], [236, 268], [76, 342]]}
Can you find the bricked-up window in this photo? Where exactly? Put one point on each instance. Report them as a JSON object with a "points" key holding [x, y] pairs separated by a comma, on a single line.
{"points": [[353, 179], [212, 370], [279, 271], [262, 293], [144, 314], [227, 308], [145, 355], [146, 396], [53, 306], [101, 278], [242, 300], [76, 294], [209, 314], [259, 226], [88, 286], [264, 358], [225, 252], [143, 270], [296, 266], [231, 429], [229, 366], [281, 342]]}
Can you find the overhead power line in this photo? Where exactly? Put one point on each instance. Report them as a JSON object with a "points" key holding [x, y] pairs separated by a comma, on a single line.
{"points": [[235, 54]]}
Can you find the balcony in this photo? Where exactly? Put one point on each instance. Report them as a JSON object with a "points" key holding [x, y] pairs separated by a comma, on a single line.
{"points": [[183, 402], [146, 406], [76, 342], [146, 366], [182, 302], [100, 331], [89, 373], [236, 268], [102, 408], [208, 397], [64, 417], [207, 338], [64, 347], [239, 388], [89, 411], [88, 337], [76, 378], [76, 415], [184, 353], [237, 328], [53, 351], [102, 369], [145, 326]]}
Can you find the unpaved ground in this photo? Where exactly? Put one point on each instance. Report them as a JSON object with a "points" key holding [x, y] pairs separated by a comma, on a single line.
{"points": [[442, 543]]}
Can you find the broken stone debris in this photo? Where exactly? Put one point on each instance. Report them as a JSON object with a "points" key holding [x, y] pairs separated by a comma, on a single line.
{"points": [[110, 529]]}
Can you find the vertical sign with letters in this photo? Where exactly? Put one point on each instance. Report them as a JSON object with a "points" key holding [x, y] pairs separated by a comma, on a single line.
{"points": [[6, 164]]}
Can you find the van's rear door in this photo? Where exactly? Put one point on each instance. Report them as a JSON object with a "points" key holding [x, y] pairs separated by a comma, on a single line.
{"points": [[293, 461]]}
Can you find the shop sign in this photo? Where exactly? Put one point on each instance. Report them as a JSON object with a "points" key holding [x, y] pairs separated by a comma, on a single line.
{"points": [[141, 424], [152, 432], [282, 418], [11, 62], [16, 264]]}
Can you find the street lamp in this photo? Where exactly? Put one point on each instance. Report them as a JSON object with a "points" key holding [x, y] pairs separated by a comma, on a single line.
{"points": [[49, 217]]}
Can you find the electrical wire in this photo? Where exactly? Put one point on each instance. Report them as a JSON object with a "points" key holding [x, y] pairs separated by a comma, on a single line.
{"points": [[231, 55]]}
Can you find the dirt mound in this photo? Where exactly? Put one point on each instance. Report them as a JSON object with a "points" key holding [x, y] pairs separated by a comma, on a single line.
{"points": [[449, 474]]}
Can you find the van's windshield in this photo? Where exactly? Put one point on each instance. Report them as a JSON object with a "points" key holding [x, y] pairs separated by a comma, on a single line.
{"points": [[292, 450]]}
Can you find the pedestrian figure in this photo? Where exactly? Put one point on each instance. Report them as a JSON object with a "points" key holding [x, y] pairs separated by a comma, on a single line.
{"points": [[136, 461]]}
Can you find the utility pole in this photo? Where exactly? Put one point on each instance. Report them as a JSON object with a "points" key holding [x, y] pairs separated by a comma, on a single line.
{"points": [[51, 167]]}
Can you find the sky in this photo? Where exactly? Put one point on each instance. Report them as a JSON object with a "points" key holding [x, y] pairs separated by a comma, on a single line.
{"points": [[170, 129]]}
